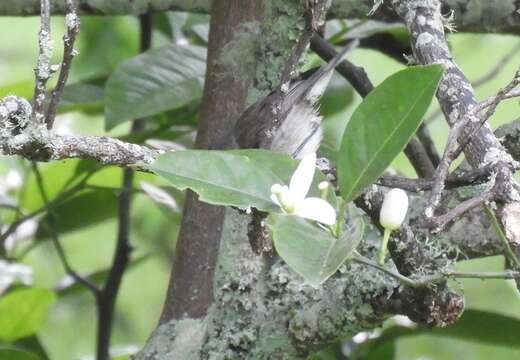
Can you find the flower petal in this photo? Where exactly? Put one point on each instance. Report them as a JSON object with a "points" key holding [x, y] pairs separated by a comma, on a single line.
{"points": [[302, 178], [316, 209], [275, 200]]}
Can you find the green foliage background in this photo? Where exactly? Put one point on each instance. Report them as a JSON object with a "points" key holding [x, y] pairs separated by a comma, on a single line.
{"points": [[69, 329]]}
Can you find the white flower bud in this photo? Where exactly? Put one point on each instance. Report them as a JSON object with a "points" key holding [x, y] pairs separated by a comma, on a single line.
{"points": [[393, 210], [324, 185]]}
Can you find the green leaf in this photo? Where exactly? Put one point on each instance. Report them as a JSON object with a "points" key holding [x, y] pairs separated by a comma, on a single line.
{"points": [[31, 344], [474, 325], [23, 311], [483, 327], [16, 354], [310, 250], [382, 125], [86, 97], [86, 208], [240, 178], [160, 79], [23, 88]]}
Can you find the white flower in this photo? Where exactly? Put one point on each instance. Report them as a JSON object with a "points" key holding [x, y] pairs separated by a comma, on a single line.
{"points": [[393, 210], [292, 200], [14, 272]]}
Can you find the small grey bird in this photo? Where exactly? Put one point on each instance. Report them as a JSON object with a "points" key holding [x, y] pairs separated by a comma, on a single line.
{"points": [[288, 120]]}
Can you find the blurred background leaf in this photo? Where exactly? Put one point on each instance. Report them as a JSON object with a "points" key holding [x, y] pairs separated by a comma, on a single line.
{"points": [[23, 312], [160, 79]]}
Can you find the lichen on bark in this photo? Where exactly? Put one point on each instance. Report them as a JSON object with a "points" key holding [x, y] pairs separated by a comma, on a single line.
{"points": [[264, 310], [263, 48]]}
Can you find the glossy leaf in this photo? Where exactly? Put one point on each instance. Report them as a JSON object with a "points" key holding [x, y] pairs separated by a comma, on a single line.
{"points": [[241, 178], [310, 250], [160, 79], [23, 311], [235, 178], [382, 125]]}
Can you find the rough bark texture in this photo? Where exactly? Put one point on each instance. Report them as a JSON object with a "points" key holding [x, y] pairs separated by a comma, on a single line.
{"points": [[262, 309], [22, 134], [457, 99], [191, 288], [469, 15]]}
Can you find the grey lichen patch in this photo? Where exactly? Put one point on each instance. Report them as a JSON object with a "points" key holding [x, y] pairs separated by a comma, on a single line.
{"points": [[233, 329], [511, 222], [264, 310], [178, 339], [44, 58], [285, 22], [339, 308], [240, 55], [264, 48], [15, 114], [509, 135], [21, 134]]}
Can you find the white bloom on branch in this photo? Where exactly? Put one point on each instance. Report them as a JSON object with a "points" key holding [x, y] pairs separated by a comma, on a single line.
{"points": [[394, 208], [292, 199], [391, 217]]}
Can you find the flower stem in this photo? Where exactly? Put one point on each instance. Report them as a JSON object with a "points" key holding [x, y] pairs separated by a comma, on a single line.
{"points": [[384, 245], [341, 218]]}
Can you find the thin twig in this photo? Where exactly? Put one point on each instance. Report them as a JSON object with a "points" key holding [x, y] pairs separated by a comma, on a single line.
{"points": [[55, 238], [43, 66], [418, 157], [72, 22], [425, 138], [57, 200], [434, 278], [107, 299], [491, 104], [441, 173], [358, 258], [513, 259], [499, 65], [437, 223], [490, 75], [454, 180], [453, 150]]}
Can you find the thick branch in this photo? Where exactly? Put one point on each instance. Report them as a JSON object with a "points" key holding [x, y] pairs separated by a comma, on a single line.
{"points": [[469, 15], [425, 24], [21, 135]]}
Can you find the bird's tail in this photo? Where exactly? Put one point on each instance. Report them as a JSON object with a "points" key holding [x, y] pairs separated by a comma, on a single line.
{"points": [[320, 79]]}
